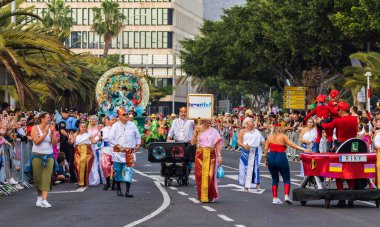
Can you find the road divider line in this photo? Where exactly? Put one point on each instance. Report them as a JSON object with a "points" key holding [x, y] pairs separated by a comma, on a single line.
{"points": [[209, 208], [194, 200], [224, 217], [173, 188], [70, 191], [165, 204], [182, 193], [239, 225]]}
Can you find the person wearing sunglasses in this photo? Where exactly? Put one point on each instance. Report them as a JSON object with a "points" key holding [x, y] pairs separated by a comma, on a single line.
{"points": [[125, 139]]}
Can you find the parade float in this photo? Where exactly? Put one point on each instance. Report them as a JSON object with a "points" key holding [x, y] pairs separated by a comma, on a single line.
{"points": [[122, 87], [352, 161]]}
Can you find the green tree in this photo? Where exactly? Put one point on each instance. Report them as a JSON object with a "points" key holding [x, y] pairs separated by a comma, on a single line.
{"points": [[359, 20], [58, 17], [108, 22], [269, 40], [355, 79]]}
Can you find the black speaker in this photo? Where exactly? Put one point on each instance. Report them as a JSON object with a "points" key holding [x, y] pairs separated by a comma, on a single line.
{"points": [[158, 152]]}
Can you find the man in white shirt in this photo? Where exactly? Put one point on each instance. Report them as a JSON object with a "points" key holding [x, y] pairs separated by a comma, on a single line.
{"points": [[124, 138], [182, 129], [106, 158]]}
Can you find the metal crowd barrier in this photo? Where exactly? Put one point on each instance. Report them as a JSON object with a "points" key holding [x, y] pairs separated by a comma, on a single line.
{"points": [[14, 159]]}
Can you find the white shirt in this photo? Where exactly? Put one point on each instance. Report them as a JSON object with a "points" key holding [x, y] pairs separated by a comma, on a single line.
{"points": [[126, 135], [376, 140], [45, 147], [182, 130], [82, 139], [253, 138], [106, 134]]}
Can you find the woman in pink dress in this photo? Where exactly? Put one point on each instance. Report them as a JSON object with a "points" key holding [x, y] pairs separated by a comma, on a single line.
{"points": [[207, 159]]}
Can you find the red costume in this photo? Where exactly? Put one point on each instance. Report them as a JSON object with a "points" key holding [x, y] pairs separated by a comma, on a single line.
{"points": [[322, 111], [333, 103], [346, 128]]}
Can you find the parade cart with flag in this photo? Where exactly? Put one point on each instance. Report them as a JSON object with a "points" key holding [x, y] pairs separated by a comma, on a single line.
{"points": [[350, 162]]}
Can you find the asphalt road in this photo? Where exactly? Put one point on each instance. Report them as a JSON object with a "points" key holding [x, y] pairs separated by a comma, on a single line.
{"points": [[156, 205]]}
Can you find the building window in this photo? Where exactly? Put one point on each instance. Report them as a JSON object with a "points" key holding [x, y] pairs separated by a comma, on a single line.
{"points": [[164, 82], [84, 40], [76, 39]]}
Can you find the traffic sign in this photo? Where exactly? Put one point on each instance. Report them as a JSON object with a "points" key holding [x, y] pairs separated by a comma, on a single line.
{"points": [[292, 88], [294, 97], [295, 102], [295, 106], [299, 92]]}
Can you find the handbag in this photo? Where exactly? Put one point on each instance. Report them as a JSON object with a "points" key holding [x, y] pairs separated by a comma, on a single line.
{"points": [[220, 172]]}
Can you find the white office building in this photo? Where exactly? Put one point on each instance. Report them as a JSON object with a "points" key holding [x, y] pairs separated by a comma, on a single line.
{"points": [[149, 39]]}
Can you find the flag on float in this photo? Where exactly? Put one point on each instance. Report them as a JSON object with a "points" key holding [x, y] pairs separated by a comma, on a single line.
{"points": [[369, 168], [335, 167]]}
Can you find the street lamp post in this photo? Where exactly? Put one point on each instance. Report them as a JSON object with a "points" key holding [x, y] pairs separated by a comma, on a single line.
{"points": [[368, 75]]}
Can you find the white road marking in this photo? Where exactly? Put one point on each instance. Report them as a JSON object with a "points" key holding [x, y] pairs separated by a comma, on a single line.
{"points": [[224, 217], [229, 167], [173, 188], [253, 191], [194, 200], [163, 206], [182, 193], [71, 191], [233, 177], [239, 225], [192, 177], [209, 208], [366, 202]]}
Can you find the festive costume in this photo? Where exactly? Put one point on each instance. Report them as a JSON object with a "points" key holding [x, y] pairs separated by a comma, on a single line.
{"points": [[249, 165], [323, 111], [95, 174], [106, 157], [83, 158], [278, 163], [206, 165], [124, 138]]}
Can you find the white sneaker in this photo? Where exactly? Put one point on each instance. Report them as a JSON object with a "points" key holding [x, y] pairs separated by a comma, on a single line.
{"points": [[12, 181], [19, 187], [39, 201], [288, 200], [277, 201], [45, 204]]}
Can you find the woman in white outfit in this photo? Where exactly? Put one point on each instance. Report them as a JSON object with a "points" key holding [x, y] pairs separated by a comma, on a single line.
{"points": [[93, 130], [250, 139], [307, 138]]}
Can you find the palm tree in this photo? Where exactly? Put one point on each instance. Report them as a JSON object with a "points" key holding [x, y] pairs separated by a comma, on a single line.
{"points": [[24, 49], [59, 19], [355, 79], [108, 22]]}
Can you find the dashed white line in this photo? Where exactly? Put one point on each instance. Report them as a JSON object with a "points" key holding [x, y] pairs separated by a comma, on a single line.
{"points": [[173, 188], [194, 200], [239, 225], [209, 208], [182, 193], [224, 217]]}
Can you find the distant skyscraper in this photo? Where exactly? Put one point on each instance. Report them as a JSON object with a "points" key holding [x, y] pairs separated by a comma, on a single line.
{"points": [[213, 9]]}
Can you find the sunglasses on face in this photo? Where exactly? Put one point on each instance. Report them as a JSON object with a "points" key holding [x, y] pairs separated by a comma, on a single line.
{"points": [[125, 114]]}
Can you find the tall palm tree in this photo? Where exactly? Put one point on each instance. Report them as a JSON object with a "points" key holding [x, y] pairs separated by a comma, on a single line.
{"points": [[108, 22], [354, 76], [58, 18]]}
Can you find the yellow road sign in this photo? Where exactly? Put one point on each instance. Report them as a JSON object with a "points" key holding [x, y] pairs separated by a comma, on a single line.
{"points": [[296, 102], [300, 92], [294, 97], [288, 106], [292, 88]]}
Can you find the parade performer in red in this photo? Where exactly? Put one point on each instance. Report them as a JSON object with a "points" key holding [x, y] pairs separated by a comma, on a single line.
{"points": [[334, 100], [323, 111], [346, 127]]}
